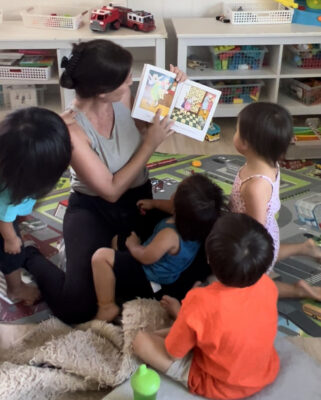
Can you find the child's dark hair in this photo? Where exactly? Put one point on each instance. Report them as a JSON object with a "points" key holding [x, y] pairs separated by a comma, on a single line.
{"points": [[268, 129], [198, 203], [239, 250], [35, 150], [95, 67]]}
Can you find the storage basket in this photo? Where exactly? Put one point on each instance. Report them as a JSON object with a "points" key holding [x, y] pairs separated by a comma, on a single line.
{"points": [[53, 17], [237, 57], [257, 12], [308, 57], [238, 92], [18, 96], [28, 73], [307, 91]]}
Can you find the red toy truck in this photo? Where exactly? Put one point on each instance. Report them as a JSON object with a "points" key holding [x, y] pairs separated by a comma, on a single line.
{"points": [[116, 16]]}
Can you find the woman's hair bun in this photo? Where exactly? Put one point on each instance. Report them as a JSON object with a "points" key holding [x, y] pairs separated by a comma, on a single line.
{"points": [[66, 81]]}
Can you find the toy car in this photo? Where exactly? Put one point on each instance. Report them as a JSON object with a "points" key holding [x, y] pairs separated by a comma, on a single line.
{"points": [[115, 16], [193, 62], [213, 132]]}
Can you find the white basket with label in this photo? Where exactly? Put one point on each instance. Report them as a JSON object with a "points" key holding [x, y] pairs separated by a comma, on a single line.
{"points": [[53, 17], [25, 73], [257, 12]]}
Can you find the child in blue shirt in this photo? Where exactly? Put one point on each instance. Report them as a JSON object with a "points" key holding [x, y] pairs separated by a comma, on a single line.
{"points": [[35, 150], [170, 250]]}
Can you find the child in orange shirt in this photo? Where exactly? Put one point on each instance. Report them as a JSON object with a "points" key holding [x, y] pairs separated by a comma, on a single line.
{"points": [[221, 345]]}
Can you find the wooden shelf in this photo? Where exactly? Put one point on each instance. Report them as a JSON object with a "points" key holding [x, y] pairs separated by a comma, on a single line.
{"points": [[14, 35], [195, 34]]}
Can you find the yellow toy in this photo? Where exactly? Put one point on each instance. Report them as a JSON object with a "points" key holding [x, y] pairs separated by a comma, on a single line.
{"points": [[288, 3], [196, 163]]}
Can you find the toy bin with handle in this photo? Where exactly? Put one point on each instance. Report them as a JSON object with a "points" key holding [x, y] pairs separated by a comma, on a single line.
{"points": [[306, 90], [53, 17], [257, 12], [237, 57], [304, 55], [238, 92]]}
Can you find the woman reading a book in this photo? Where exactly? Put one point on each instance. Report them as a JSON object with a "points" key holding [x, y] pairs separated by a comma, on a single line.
{"points": [[109, 176]]}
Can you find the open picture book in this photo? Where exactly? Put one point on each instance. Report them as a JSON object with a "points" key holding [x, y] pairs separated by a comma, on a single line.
{"points": [[190, 104]]}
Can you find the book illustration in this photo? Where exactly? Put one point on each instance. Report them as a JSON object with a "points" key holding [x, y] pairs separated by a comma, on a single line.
{"points": [[159, 92], [193, 106], [190, 104]]}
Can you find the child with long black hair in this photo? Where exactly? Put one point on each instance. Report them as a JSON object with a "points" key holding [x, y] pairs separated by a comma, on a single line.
{"points": [[35, 150]]}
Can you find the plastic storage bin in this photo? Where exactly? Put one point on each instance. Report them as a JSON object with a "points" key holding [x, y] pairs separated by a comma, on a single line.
{"points": [[19, 96], [53, 17], [237, 57], [307, 91], [304, 56], [257, 12], [238, 92], [27, 73]]}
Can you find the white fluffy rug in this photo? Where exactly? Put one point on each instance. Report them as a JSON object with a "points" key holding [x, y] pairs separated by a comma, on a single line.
{"points": [[53, 360]]}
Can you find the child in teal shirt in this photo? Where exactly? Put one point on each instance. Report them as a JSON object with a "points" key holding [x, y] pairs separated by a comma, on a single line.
{"points": [[35, 150]]}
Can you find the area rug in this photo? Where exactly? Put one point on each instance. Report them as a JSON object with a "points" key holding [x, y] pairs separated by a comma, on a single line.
{"points": [[298, 181]]}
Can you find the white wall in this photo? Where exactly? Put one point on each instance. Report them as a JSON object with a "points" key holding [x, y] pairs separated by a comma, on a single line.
{"points": [[160, 8]]}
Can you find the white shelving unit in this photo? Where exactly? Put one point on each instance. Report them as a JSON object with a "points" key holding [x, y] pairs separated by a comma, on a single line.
{"points": [[145, 47], [195, 35]]}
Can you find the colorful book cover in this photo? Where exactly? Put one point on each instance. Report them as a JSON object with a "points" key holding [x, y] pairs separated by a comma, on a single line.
{"points": [[190, 104]]}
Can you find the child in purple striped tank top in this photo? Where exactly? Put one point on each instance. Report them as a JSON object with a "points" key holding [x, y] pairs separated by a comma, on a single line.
{"points": [[263, 134]]}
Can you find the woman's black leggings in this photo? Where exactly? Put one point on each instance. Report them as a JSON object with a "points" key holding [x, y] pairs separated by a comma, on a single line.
{"points": [[89, 223]]}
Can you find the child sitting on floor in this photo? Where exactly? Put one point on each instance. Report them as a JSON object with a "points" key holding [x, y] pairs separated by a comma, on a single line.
{"points": [[35, 150], [221, 343], [195, 206]]}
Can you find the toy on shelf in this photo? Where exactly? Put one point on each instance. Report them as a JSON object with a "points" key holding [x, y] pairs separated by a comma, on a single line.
{"points": [[304, 55], [306, 90], [257, 12], [238, 91], [288, 3], [116, 16], [196, 63], [307, 13], [237, 57]]}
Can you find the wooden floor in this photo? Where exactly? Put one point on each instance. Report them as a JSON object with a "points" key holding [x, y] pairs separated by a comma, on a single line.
{"points": [[181, 144]]}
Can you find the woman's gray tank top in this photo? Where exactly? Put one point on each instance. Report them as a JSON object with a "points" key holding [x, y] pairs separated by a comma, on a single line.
{"points": [[115, 151]]}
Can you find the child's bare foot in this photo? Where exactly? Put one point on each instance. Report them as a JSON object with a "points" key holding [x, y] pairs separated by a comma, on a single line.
{"points": [[310, 248], [171, 305], [28, 294], [305, 290], [107, 312]]}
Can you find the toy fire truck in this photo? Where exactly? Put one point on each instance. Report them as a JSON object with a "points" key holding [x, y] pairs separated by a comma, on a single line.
{"points": [[115, 16]]}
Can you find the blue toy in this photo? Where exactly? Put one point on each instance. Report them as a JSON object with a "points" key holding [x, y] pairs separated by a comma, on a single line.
{"points": [[308, 16]]}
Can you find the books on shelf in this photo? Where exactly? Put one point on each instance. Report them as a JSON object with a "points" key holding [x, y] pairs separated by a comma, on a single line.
{"points": [[36, 61], [190, 104], [9, 58]]}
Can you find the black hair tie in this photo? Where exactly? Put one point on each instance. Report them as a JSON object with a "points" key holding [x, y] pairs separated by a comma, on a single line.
{"points": [[64, 62]]}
